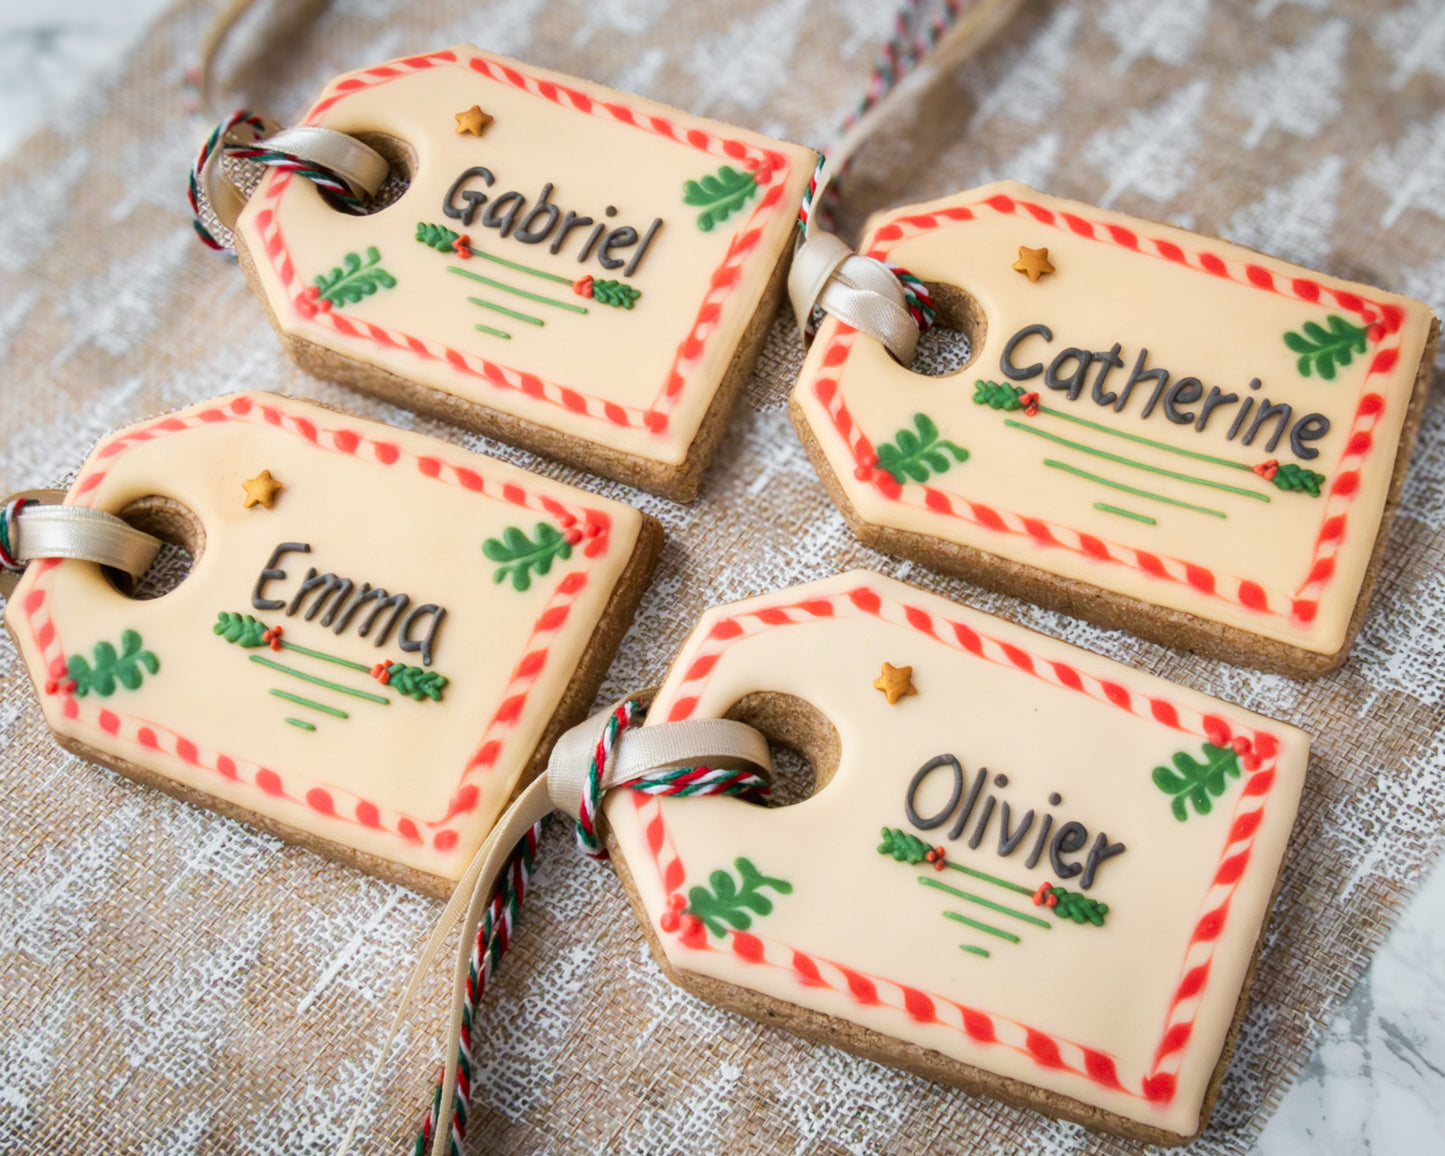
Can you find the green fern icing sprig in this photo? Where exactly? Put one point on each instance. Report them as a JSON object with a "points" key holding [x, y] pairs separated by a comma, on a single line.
{"points": [[416, 681], [727, 904], [719, 195], [519, 556], [437, 237], [242, 629], [1196, 782], [125, 667], [998, 395], [618, 294], [354, 279], [1073, 905], [1321, 350], [918, 456], [903, 846], [1296, 479]]}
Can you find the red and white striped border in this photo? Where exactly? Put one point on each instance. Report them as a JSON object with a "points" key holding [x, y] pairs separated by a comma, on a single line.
{"points": [[335, 803], [1384, 322], [1158, 1083], [769, 167]]}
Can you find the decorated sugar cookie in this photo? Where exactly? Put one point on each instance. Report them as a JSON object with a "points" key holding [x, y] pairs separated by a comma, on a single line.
{"points": [[1154, 430], [582, 272], [378, 641], [1026, 870]]}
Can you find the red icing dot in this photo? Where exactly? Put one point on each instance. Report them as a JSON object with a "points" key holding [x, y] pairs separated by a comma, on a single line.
{"points": [[669, 922]]}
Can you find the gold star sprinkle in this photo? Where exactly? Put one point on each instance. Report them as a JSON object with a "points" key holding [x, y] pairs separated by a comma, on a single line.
{"points": [[473, 122], [895, 682], [261, 490], [1033, 263]]}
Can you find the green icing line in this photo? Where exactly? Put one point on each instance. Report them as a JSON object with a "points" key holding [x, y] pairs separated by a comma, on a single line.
{"points": [[327, 683], [505, 288], [302, 723], [989, 903], [1131, 489], [518, 268], [1017, 888], [968, 947], [299, 701], [1108, 509], [1118, 433], [977, 926], [527, 317], [321, 654], [493, 332], [1098, 453]]}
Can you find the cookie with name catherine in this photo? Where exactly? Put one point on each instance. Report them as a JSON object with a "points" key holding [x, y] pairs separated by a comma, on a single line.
{"points": [[1025, 870], [1155, 430], [571, 269], [378, 641]]}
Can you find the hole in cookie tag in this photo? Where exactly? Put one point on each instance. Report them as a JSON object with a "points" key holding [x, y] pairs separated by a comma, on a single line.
{"points": [[1153, 429], [996, 806], [528, 283], [368, 639]]}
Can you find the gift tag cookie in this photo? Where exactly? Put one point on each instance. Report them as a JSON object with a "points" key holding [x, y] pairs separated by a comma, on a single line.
{"points": [[378, 641], [1155, 430], [574, 270], [1025, 870]]}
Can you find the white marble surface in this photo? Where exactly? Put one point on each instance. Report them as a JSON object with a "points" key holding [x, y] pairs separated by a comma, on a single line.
{"points": [[1376, 1083]]}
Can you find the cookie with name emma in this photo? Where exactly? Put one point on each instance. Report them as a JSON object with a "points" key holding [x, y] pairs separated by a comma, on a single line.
{"points": [[571, 269], [378, 641], [1024, 870], [1154, 430]]}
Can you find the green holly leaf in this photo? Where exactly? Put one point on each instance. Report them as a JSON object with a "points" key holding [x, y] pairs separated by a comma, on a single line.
{"points": [[728, 903], [349, 282], [917, 456], [1321, 350], [126, 667], [720, 195], [519, 557], [1195, 782]]}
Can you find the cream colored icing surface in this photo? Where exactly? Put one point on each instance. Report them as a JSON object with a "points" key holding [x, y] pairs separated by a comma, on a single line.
{"points": [[636, 379], [418, 782], [1281, 564], [1080, 1009]]}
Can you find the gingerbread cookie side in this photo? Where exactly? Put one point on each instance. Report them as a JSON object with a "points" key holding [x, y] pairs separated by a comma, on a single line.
{"points": [[1159, 928], [579, 271], [1164, 498]]}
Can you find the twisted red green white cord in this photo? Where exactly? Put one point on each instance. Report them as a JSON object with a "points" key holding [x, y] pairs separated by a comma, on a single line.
{"points": [[331, 186], [913, 39], [9, 540], [494, 933], [675, 781]]}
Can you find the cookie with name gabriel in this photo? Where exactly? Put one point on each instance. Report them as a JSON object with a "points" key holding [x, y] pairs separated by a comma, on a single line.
{"points": [[1154, 429], [570, 269]]}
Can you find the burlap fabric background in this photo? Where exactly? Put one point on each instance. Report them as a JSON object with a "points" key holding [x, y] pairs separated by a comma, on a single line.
{"points": [[174, 983]]}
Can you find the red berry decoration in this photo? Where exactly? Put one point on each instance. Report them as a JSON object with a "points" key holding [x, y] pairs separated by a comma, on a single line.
{"points": [[1267, 470]]}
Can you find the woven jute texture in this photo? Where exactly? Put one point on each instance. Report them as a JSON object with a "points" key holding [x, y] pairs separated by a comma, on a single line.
{"points": [[175, 983]]}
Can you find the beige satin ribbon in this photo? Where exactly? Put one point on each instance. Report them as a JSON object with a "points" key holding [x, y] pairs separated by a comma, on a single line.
{"points": [[360, 167], [46, 529], [858, 290], [719, 743]]}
